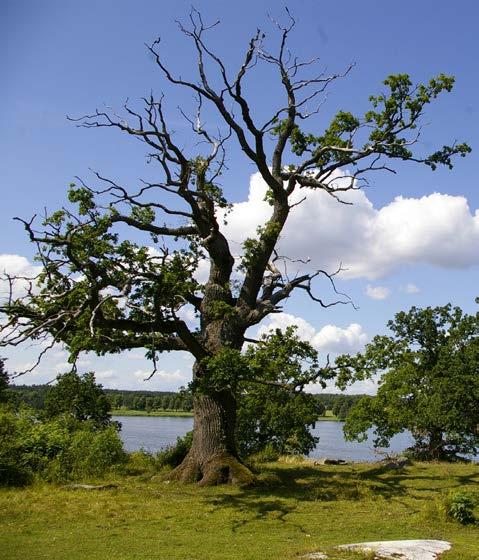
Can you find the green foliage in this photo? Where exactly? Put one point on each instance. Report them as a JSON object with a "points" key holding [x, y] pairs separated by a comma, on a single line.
{"points": [[267, 454], [221, 372], [35, 395], [13, 470], [252, 248], [173, 455], [428, 383], [80, 397], [273, 409], [343, 405], [220, 310], [4, 395], [392, 116], [56, 450], [459, 506]]}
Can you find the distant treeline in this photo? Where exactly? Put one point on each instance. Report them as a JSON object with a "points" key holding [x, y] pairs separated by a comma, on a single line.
{"points": [[34, 396], [339, 404]]}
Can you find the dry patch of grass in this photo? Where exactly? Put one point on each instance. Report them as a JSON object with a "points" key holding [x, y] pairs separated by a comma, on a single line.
{"points": [[295, 509]]}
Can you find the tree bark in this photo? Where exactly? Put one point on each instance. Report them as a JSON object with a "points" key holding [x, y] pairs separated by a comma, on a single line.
{"points": [[436, 445], [212, 458]]}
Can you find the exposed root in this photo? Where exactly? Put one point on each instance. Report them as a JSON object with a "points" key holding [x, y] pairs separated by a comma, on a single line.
{"points": [[218, 469]]}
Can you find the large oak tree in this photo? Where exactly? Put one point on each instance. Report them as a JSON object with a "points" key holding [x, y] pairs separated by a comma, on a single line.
{"points": [[100, 291]]}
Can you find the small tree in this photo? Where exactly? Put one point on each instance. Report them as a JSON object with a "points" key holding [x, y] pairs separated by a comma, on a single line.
{"points": [[429, 383], [103, 291], [273, 409], [79, 396]]}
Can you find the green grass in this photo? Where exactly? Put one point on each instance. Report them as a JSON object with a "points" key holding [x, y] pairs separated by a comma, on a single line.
{"points": [[296, 509], [329, 416], [128, 412]]}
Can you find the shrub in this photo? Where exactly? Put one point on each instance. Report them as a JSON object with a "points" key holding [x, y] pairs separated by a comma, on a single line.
{"points": [[173, 455], [140, 462], [268, 454], [460, 507], [56, 450], [12, 470], [89, 453]]}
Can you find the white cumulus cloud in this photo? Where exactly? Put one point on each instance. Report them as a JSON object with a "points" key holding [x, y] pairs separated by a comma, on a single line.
{"points": [[176, 375], [377, 292], [411, 289], [329, 339], [438, 229], [16, 265]]}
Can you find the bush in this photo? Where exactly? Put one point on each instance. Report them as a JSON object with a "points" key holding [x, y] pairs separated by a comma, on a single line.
{"points": [[460, 507], [12, 470], [140, 462], [173, 455], [89, 453], [56, 450], [268, 454]]}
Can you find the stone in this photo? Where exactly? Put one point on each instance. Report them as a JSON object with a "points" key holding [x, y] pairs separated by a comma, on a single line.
{"points": [[402, 550], [91, 486], [315, 556], [396, 463], [327, 461]]}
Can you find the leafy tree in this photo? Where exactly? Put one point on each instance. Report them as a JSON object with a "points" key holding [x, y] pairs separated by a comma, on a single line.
{"points": [[3, 382], [276, 411], [139, 402], [105, 292], [79, 396], [429, 382], [320, 407]]}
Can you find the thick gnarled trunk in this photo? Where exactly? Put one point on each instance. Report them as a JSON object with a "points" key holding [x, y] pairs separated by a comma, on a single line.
{"points": [[212, 458]]}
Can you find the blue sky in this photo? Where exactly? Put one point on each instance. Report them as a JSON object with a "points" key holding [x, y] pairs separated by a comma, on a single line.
{"points": [[59, 58]]}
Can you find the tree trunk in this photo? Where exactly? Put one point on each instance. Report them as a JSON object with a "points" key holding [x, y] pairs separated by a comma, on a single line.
{"points": [[436, 446], [212, 458]]}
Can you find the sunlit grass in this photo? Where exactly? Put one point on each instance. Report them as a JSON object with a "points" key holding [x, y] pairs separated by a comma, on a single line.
{"points": [[295, 509]]}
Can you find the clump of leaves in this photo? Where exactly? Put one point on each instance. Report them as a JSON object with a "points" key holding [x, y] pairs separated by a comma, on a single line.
{"points": [[173, 455], [460, 507]]}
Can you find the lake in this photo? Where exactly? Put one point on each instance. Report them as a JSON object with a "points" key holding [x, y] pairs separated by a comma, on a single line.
{"points": [[156, 432]]}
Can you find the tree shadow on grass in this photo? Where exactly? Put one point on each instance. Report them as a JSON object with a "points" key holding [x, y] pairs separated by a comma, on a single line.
{"points": [[279, 487], [253, 509], [334, 483]]}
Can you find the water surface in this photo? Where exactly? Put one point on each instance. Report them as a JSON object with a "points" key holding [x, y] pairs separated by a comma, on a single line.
{"points": [[153, 433]]}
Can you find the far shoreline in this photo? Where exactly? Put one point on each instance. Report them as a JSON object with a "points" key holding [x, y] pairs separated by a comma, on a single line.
{"points": [[128, 412], [187, 414]]}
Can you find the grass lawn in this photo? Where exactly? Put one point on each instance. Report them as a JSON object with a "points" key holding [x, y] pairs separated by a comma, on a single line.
{"points": [[128, 412], [297, 508], [328, 415]]}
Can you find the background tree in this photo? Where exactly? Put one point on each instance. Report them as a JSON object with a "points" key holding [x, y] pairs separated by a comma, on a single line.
{"points": [[273, 409], [4, 380], [429, 383], [100, 291], [79, 396]]}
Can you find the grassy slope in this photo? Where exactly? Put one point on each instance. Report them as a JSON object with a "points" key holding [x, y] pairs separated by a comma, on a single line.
{"points": [[297, 509]]}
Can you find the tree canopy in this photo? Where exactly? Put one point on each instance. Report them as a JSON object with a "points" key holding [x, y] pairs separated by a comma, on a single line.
{"points": [[273, 410], [428, 382], [101, 290], [80, 397], [3, 381]]}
